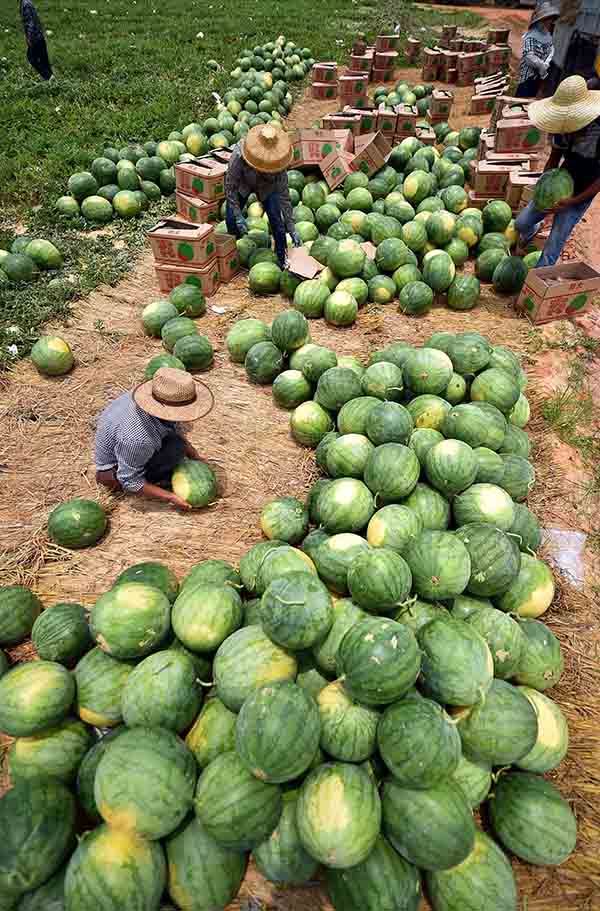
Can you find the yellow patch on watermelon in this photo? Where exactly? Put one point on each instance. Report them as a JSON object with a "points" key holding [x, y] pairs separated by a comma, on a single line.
{"points": [[330, 812], [58, 344], [96, 719], [307, 560], [181, 485], [468, 235], [376, 532], [124, 820], [539, 600], [196, 738], [180, 896], [279, 668], [116, 847], [550, 734]]}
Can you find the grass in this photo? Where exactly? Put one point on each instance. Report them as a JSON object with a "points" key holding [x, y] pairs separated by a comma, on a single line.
{"points": [[128, 70]]}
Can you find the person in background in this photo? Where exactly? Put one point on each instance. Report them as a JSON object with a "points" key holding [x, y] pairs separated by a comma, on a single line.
{"points": [[537, 50], [37, 52], [572, 116], [258, 165], [140, 438], [576, 41]]}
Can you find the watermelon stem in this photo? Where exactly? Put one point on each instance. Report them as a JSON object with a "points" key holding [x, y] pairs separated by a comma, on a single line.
{"points": [[204, 682]]}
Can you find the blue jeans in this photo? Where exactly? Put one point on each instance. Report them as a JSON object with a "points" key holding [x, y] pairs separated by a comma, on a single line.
{"points": [[529, 221], [272, 207]]}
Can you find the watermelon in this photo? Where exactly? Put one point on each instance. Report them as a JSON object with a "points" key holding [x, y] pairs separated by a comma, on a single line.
{"points": [[263, 363], [500, 729], [336, 386], [347, 259], [520, 413], [474, 779], [484, 881], [202, 873], [260, 746], [551, 188], [195, 351], [347, 456], [108, 860], [19, 608], [391, 472], [509, 275], [518, 476], [406, 274], [339, 833], [360, 198], [251, 562], [281, 857], [313, 360], [439, 272], [416, 297], [125, 202], [177, 328], [346, 505], [532, 820], [427, 371], [149, 754], [449, 647], [155, 574], [52, 355], [393, 527], [552, 741], [288, 284], [383, 380], [379, 659], [531, 593], [243, 335], [82, 184], [526, 529], [280, 562], [212, 733], [497, 215], [345, 615], [418, 742], [37, 825], [289, 330], [416, 613], [52, 753], [312, 614], [62, 634], [97, 209], [100, 679], [341, 309], [77, 523], [430, 506], [67, 207], [162, 692], [504, 638], [264, 278], [246, 661], [356, 287], [130, 620], [440, 228], [34, 696], [391, 255], [458, 252], [188, 300], [348, 729], [463, 293], [47, 897], [18, 267], [285, 519], [291, 389], [495, 559], [207, 572], [450, 467], [456, 389], [379, 580], [310, 423], [542, 661], [469, 228], [384, 880], [395, 353], [382, 289], [474, 425], [414, 233], [421, 440], [495, 387], [487, 261], [388, 422], [516, 442], [244, 822], [352, 417], [155, 315], [490, 468], [432, 827], [428, 411], [485, 503], [86, 772], [312, 682]]}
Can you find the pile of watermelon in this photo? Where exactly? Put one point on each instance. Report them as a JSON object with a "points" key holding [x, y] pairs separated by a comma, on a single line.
{"points": [[123, 182], [415, 211], [172, 319], [26, 258], [343, 699]]}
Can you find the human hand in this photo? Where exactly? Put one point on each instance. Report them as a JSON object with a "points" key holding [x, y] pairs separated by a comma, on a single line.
{"points": [[179, 503], [560, 206]]}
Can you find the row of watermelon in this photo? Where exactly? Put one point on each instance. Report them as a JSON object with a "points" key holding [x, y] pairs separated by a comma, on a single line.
{"points": [[26, 257], [124, 182]]}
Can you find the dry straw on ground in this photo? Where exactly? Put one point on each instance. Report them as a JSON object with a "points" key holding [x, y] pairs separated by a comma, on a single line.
{"points": [[46, 438]]}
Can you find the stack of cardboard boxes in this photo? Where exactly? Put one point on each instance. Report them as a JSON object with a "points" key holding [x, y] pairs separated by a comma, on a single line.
{"points": [[185, 252], [440, 106], [462, 60], [200, 187], [324, 80], [487, 89], [353, 89], [368, 155], [385, 59], [413, 49]]}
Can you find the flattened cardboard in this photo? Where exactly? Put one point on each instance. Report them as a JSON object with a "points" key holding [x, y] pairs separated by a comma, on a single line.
{"points": [[558, 292], [302, 264]]}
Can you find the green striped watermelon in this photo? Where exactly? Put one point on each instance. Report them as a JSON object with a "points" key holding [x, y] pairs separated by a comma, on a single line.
{"points": [[497, 387], [486, 503], [430, 507], [158, 575], [334, 557], [162, 692], [484, 881], [532, 591], [433, 827], [379, 660], [100, 680], [500, 729], [131, 620], [19, 608], [345, 615], [428, 411], [201, 872], [490, 466], [87, 773], [352, 417], [384, 880], [337, 386], [34, 696], [62, 634], [339, 814], [205, 615], [518, 477], [440, 564], [504, 638], [53, 753], [348, 729], [393, 527], [246, 661], [418, 742], [77, 523], [379, 580], [383, 380], [210, 572], [531, 819], [469, 423], [427, 371], [456, 663], [237, 809], [450, 466], [552, 741], [252, 560], [347, 455], [346, 505], [212, 733], [542, 661], [421, 441], [281, 858], [281, 561], [290, 389], [296, 610], [49, 896], [391, 472], [388, 422], [495, 559], [416, 613], [309, 423], [474, 779]]}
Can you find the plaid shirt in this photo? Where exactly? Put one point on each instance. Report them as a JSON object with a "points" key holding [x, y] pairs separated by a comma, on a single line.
{"points": [[537, 42], [126, 440], [241, 180]]}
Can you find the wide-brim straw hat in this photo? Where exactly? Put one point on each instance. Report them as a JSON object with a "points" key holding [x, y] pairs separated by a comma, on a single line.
{"points": [[545, 10], [572, 107], [267, 149], [174, 395]]}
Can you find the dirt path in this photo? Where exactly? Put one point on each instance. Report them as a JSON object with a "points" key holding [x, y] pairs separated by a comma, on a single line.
{"points": [[46, 437]]}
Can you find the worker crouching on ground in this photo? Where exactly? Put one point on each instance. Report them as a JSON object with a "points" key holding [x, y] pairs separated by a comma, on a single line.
{"points": [[537, 50], [140, 438], [258, 165], [572, 116]]}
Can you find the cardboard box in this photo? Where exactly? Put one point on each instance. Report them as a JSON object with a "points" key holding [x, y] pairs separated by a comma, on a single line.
{"points": [[349, 122], [336, 167], [371, 152], [361, 62], [441, 102], [382, 75], [427, 137], [302, 264], [452, 76], [413, 48], [487, 141], [407, 119], [225, 244], [467, 63], [478, 201], [429, 73], [310, 147], [203, 177], [558, 292], [387, 120], [359, 46], [498, 35], [357, 102], [324, 72], [207, 278], [385, 60], [518, 179], [518, 135], [227, 256], [387, 43], [353, 85], [482, 104], [513, 112], [178, 242], [456, 44], [324, 90], [196, 210], [490, 179]]}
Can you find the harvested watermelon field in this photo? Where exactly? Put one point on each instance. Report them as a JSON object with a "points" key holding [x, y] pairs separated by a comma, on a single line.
{"points": [[46, 438]]}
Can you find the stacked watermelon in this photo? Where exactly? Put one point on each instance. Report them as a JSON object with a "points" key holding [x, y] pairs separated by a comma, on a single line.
{"points": [[366, 677], [124, 182]]}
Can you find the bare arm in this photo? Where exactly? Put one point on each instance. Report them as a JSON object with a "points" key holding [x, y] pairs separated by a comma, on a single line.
{"points": [[158, 493], [554, 160]]}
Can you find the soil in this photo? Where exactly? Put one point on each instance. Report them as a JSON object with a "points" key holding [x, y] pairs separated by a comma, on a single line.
{"points": [[46, 456]]}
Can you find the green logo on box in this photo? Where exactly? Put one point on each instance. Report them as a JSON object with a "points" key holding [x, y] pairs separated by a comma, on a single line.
{"points": [[529, 304], [296, 152], [577, 303], [198, 184], [233, 263], [364, 166], [219, 188], [209, 247], [326, 148], [336, 172], [330, 92], [193, 213], [185, 252]]}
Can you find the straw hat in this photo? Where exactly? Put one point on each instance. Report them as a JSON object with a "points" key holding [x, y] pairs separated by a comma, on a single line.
{"points": [[546, 10], [572, 107], [174, 395], [267, 148]]}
